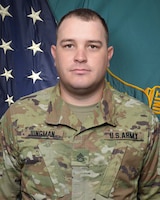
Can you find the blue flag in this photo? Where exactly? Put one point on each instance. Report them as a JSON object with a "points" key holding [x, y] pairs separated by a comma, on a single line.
{"points": [[27, 31]]}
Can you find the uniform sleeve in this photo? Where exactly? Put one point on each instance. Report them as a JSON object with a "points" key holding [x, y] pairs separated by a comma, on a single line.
{"points": [[9, 166], [149, 183]]}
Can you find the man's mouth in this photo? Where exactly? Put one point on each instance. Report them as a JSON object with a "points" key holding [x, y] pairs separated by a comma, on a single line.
{"points": [[80, 71]]}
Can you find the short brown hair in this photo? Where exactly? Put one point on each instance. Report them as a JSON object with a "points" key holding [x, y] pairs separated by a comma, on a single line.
{"points": [[86, 15]]}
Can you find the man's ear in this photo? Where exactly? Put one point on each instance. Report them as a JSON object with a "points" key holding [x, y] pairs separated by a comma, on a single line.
{"points": [[110, 54], [53, 51]]}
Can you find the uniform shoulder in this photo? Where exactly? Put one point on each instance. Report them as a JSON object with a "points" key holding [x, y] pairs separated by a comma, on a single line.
{"points": [[41, 94], [131, 105], [41, 97]]}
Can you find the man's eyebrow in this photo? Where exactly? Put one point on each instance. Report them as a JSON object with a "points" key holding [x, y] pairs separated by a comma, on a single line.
{"points": [[66, 40], [89, 41], [95, 41]]}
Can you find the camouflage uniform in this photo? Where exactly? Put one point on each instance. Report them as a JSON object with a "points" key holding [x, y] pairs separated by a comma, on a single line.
{"points": [[49, 154]]}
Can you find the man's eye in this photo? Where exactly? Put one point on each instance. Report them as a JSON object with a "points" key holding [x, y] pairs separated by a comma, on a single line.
{"points": [[68, 46], [93, 46]]}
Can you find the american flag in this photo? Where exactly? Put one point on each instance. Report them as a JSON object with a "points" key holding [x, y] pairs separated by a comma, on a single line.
{"points": [[27, 31]]}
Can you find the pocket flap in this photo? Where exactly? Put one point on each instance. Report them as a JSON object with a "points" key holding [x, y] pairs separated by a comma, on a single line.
{"points": [[111, 172]]}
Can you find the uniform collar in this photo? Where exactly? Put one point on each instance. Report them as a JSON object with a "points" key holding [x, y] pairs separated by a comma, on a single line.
{"points": [[59, 112]]}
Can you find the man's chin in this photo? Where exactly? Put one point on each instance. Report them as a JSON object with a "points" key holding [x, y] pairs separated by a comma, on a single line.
{"points": [[82, 89]]}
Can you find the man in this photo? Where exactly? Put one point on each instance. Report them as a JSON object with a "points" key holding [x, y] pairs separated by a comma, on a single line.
{"points": [[80, 140]]}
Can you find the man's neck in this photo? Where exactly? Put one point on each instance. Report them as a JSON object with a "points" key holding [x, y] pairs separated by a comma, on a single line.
{"points": [[82, 98]]}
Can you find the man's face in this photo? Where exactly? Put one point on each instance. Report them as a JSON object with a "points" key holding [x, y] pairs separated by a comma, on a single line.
{"points": [[81, 55]]}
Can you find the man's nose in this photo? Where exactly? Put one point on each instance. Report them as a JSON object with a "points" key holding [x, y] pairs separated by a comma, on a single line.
{"points": [[80, 55]]}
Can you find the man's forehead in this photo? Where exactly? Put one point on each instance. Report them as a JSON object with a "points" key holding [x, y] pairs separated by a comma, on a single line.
{"points": [[80, 27], [68, 20]]}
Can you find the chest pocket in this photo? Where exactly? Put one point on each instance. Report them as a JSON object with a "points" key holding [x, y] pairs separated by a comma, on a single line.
{"points": [[122, 170], [56, 155], [110, 173]]}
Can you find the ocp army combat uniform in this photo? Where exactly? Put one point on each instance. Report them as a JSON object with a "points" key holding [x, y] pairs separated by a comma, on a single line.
{"points": [[49, 154]]}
